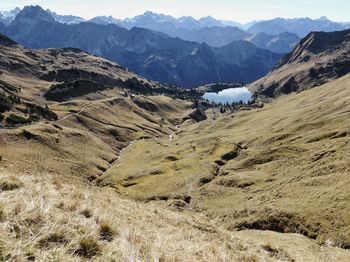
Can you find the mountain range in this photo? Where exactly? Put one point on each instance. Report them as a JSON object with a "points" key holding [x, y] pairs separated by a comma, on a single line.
{"points": [[299, 26], [182, 51], [211, 31], [149, 53]]}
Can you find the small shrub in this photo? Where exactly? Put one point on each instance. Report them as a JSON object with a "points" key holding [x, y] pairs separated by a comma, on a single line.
{"points": [[106, 232], [57, 126], [2, 215], [53, 239], [10, 184], [28, 135], [36, 111], [88, 248], [5, 103], [16, 119], [86, 213], [1, 117]]}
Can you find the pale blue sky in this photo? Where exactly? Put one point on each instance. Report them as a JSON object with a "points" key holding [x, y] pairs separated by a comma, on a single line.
{"points": [[237, 10]]}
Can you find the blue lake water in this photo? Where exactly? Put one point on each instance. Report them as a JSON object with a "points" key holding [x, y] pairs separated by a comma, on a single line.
{"points": [[229, 95]]}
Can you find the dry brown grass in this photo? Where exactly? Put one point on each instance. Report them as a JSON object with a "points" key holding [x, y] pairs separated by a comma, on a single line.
{"points": [[43, 220], [282, 168], [290, 176]]}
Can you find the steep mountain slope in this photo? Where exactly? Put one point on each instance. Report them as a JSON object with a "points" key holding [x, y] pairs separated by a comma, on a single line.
{"points": [[2, 27], [318, 58], [6, 17], [299, 26], [214, 36], [282, 43], [150, 54]]}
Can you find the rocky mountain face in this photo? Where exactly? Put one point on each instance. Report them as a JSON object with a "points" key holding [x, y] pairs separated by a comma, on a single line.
{"points": [[299, 26], [66, 19], [317, 59], [2, 27], [6, 17], [105, 20], [282, 43], [148, 53], [213, 36]]}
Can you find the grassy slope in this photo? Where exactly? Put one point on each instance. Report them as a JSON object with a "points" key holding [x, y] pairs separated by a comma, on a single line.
{"points": [[291, 174], [51, 218], [292, 151]]}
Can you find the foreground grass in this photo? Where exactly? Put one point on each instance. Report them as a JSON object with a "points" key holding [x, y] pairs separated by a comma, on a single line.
{"points": [[47, 218]]}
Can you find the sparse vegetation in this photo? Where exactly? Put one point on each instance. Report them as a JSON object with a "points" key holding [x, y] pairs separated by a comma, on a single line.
{"points": [[107, 233], [87, 213], [37, 111], [88, 247], [17, 120], [10, 183], [53, 240]]}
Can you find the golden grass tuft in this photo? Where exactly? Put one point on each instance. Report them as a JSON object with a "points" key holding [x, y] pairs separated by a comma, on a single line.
{"points": [[88, 247], [10, 183]]}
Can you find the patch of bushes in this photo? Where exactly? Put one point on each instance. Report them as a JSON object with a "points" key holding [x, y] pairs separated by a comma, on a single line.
{"points": [[2, 215], [16, 119], [36, 111], [5, 103], [88, 248], [52, 240], [281, 222], [68, 89], [107, 233], [28, 135], [1, 117], [8, 87]]}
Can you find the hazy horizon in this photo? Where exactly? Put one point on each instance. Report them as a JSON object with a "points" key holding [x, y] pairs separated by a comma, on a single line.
{"points": [[238, 11]]}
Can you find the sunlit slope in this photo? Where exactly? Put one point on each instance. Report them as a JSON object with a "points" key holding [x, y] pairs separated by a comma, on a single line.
{"points": [[283, 168]]}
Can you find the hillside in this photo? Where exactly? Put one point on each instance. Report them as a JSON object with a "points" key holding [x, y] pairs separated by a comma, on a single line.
{"points": [[282, 43], [319, 58], [249, 169], [127, 173]]}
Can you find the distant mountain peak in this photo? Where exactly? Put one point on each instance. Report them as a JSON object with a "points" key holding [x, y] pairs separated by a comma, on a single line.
{"points": [[149, 13], [208, 17], [34, 12]]}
